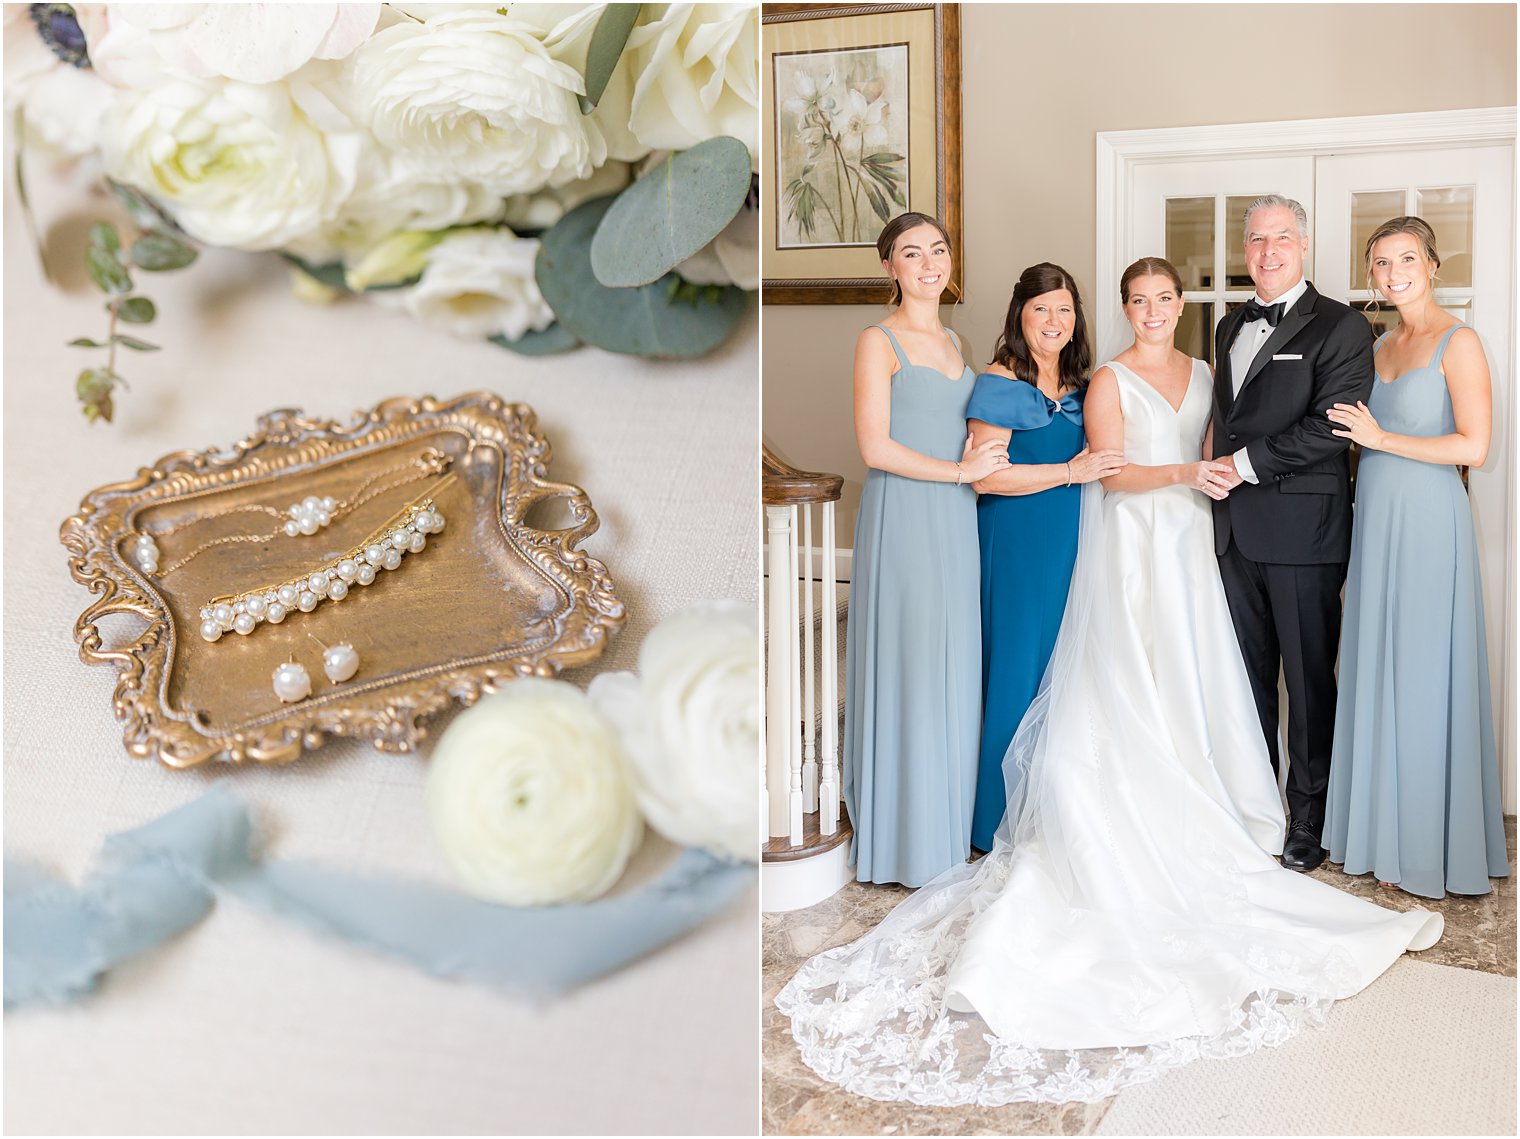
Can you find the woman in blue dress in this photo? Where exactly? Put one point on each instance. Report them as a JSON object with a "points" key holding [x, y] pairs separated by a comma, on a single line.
{"points": [[1029, 398], [913, 645], [1414, 776]]}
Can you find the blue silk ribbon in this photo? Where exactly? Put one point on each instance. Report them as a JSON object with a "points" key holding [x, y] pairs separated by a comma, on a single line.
{"points": [[153, 882]]}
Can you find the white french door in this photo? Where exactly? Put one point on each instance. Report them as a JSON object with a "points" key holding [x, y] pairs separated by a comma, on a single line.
{"points": [[1179, 194]]}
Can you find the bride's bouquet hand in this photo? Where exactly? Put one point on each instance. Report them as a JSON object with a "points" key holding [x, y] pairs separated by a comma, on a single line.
{"points": [[977, 462], [1210, 476], [1088, 465]]}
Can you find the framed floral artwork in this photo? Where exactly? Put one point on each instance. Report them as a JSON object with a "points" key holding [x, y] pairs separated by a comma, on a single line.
{"points": [[861, 108]]}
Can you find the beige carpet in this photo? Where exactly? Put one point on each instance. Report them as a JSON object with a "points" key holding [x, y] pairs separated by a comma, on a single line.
{"points": [[1427, 1050]]}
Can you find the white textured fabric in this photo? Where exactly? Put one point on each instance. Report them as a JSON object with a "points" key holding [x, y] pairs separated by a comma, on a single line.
{"points": [[244, 1025], [1131, 918], [1456, 1027]]}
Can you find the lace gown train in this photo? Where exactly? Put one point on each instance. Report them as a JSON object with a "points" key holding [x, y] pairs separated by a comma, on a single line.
{"points": [[1131, 916]]}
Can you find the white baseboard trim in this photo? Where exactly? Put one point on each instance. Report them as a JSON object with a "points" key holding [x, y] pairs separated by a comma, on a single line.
{"points": [[805, 882]]}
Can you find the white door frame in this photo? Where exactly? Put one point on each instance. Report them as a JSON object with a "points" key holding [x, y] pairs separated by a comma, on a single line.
{"points": [[1119, 152]]}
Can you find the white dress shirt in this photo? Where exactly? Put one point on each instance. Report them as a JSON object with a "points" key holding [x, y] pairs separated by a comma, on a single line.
{"points": [[1248, 341]]}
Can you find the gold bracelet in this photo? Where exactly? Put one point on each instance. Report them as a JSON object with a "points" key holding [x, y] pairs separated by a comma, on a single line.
{"points": [[1068, 472]]}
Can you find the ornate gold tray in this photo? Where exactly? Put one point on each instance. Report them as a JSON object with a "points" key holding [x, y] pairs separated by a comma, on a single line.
{"points": [[491, 597]]}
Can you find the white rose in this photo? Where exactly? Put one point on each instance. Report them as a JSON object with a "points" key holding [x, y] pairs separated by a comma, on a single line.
{"points": [[697, 69], [526, 794], [239, 165], [252, 43], [691, 726], [477, 97], [731, 258], [62, 106], [479, 282]]}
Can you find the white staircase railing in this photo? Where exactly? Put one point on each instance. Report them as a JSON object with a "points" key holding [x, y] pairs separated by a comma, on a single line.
{"points": [[801, 746]]}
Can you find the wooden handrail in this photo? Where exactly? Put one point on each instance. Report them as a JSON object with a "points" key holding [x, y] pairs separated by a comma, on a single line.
{"points": [[784, 485]]}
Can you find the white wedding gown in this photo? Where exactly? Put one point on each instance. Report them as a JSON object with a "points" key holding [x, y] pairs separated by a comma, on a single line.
{"points": [[1135, 918]]}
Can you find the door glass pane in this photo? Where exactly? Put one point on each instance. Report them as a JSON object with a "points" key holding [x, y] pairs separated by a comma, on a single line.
{"points": [[1235, 273], [1449, 210], [1195, 330], [1384, 318], [1368, 211], [1190, 241]]}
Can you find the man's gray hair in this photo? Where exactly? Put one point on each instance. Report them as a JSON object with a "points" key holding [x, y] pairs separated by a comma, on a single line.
{"points": [[1272, 201]]}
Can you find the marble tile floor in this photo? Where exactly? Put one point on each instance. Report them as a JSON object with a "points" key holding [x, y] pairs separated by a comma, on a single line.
{"points": [[1479, 934]]}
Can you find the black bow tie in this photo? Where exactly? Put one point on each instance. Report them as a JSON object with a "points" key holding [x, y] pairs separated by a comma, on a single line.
{"points": [[1272, 313]]}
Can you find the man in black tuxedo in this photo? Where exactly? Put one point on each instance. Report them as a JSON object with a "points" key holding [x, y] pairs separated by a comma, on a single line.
{"points": [[1283, 534]]}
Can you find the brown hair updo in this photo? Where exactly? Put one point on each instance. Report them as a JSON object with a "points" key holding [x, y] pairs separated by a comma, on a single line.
{"points": [[1149, 267], [1012, 351], [901, 224]]}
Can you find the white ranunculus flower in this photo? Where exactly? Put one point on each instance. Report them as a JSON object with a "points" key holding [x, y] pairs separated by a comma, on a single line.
{"points": [[543, 209], [476, 96], [697, 76], [527, 795], [240, 165], [252, 43], [479, 282], [690, 723], [731, 258]]}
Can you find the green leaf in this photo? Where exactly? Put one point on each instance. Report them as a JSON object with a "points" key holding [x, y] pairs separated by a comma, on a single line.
{"points": [[332, 275], [108, 275], [671, 212], [159, 252], [638, 321], [607, 43], [86, 342], [142, 209], [104, 234], [133, 343], [135, 310], [549, 342], [94, 391]]}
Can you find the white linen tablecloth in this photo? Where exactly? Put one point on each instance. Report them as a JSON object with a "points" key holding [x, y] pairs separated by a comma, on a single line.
{"points": [[245, 1025]]}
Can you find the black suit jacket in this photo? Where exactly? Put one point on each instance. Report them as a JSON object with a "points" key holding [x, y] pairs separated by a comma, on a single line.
{"points": [[1299, 510]]}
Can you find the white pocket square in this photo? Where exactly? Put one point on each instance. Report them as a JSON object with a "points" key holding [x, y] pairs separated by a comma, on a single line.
{"points": [[1286, 356]]}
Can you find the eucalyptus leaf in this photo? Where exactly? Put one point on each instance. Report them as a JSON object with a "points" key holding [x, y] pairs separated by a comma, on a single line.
{"points": [[332, 274], [92, 384], [142, 209], [671, 212], [105, 271], [133, 343], [554, 339], [159, 252], [638, 321], [135, 310], [104, 234], [86, 342], [607, 43]]}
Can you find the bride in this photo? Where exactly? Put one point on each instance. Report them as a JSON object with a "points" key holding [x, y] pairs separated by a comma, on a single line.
{"points": [[1131, 916]]}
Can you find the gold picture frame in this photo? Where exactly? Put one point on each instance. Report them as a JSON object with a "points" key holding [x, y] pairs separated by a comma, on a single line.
{"points": [[501, 592], [840, 150]]}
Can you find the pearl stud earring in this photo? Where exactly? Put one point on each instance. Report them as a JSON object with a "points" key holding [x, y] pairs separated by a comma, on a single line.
{"points": [[291, 682], [339, 661]]}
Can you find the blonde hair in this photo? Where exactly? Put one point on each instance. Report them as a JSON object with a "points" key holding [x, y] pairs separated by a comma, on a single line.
{"points": [[1417, 228]]}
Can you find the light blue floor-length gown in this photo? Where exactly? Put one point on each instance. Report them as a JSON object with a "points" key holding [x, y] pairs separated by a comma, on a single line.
{"points": [[1414, 778], [913, 670]]}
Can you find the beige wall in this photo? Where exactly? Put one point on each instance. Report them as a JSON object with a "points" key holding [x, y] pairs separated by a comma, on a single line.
{"points": [[1042, 79]]}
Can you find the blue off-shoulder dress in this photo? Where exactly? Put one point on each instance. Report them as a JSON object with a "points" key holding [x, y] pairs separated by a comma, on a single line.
{"points": [[1028, 545]]}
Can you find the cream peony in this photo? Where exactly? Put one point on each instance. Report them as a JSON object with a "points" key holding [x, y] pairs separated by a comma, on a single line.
{"points": [[250, 167], [697, 76], [690, 723], [479, 282], [476, 97], [252, 43], [527, 796]]}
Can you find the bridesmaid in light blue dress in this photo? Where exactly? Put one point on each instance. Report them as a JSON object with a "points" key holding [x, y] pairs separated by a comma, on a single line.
{"points": [[1414, 776], [913, 655]]}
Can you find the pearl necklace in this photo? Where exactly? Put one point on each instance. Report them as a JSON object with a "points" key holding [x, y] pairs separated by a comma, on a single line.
{"points": [[301, 519], [405, 532]]}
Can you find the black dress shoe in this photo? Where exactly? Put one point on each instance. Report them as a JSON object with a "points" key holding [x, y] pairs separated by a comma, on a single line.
{"points": [[1302, 851]]}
